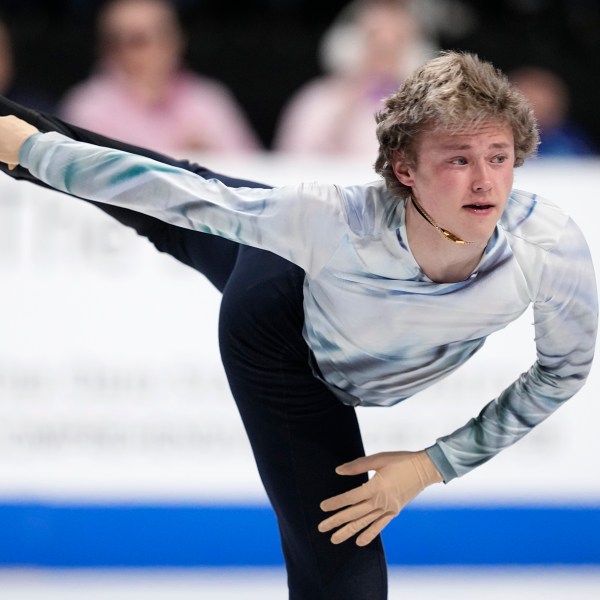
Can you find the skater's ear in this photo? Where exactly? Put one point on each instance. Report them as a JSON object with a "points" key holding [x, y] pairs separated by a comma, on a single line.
{"points": [[403, 168]]}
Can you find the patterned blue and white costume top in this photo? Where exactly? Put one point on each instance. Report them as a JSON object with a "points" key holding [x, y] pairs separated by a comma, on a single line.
{"points": [[380, 330]]}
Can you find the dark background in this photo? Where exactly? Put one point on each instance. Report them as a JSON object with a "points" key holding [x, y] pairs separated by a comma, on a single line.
{"points": [[265, 49]]}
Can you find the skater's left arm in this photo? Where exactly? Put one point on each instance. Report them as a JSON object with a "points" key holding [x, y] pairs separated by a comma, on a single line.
{"points": [[566, 320], [566, 317]]}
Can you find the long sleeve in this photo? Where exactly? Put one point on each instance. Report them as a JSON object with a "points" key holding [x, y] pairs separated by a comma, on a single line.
{"points": [[210, 255], [565, 317], [301, 223]]}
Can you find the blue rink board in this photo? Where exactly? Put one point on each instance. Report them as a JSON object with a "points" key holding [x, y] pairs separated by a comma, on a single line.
{"points": [[58, 535]]}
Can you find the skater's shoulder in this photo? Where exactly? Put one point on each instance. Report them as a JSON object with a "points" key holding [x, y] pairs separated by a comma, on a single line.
{"points": [[368, 206], [533, 219]]}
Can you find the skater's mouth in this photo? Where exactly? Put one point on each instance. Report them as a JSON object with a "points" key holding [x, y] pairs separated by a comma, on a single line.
{"points": [[479, 207]]}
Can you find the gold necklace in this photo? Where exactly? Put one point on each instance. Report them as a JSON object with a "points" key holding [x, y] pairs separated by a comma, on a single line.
{"points": [[447, 234]]}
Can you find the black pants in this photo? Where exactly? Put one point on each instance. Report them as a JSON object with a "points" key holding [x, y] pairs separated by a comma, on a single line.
{"points": [[298, 430]]}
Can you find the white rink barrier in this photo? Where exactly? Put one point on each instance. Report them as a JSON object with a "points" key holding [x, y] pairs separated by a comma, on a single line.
{"points": [[111, 386]]}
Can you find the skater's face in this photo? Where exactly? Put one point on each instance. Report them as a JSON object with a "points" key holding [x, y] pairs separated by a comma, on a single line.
{"points": [[462, 179]]}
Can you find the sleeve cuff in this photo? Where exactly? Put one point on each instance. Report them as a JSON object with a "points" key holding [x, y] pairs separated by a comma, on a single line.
{"points": [[441, 463], [26, 149]]}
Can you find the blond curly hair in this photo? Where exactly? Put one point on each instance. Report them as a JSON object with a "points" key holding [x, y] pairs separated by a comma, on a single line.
{"points": [[453, 91]]}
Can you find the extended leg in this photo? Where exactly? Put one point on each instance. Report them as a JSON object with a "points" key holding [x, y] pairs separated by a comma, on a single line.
{"points": [[298, 430]]}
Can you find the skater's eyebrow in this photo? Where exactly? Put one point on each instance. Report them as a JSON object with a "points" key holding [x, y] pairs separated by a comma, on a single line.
{"points": [[466, 146]]}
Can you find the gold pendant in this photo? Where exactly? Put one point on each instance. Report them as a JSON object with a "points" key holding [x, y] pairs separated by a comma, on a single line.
{"points": [[451, 237]]}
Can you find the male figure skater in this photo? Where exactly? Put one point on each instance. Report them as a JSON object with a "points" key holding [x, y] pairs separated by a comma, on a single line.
{"points": [[396, 284]]}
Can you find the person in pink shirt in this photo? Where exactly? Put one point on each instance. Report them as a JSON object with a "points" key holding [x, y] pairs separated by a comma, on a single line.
{"points": [[141, 92], [366, 53]]}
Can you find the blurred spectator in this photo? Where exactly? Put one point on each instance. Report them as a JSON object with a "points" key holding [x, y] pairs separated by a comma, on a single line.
{"points": [[10, 86], [142, 94], [369, 49], [549, 98]]}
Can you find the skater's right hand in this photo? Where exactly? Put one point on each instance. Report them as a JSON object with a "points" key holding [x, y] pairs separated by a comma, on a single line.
{"points": [[367, 509], [13, 133]]}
